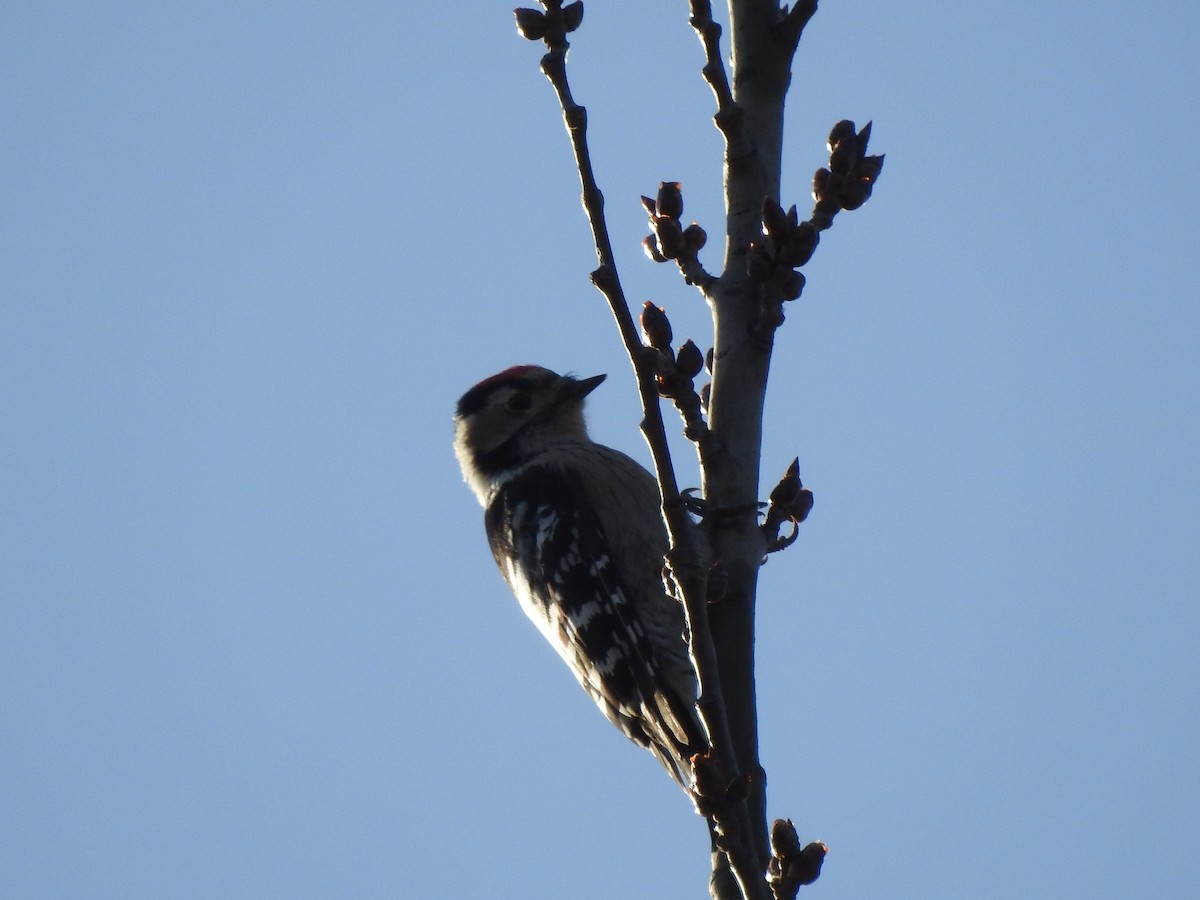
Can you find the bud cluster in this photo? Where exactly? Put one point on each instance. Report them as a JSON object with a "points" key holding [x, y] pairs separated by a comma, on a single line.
{"points": [[669, 239], [787, 244], [791, 502], [551, 26], [851, 175], [792, 865], [675, 371], [713, 795]]}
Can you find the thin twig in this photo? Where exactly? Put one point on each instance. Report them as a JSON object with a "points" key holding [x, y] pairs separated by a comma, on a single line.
{"points": [[694, 272], [728, 117], [684, 557]]}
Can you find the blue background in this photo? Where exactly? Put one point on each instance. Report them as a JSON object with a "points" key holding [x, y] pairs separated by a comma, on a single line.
{"points": [[251, 640]]}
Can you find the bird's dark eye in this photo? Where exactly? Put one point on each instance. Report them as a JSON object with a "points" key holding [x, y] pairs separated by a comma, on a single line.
{"points": [[519, 402]]}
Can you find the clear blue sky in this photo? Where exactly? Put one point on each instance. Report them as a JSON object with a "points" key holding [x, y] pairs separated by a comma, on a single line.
{"points": [[252, 644]]}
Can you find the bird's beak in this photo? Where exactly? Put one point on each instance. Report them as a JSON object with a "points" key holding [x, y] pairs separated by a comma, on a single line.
{"points": [[578, 388]]}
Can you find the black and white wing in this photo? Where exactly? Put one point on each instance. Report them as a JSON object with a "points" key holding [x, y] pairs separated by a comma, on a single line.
{"points": [[552, 549]]}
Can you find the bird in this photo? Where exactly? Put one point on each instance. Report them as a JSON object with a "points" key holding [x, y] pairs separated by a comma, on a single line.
{"points": [[576, 530]]}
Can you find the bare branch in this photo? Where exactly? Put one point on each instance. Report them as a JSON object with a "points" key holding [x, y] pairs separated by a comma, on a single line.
{"points": [[733, 829], [765, 246]]}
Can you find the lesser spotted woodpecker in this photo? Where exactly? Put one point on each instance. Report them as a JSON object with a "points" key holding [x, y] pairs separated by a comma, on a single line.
{"points": [[576, 530]]}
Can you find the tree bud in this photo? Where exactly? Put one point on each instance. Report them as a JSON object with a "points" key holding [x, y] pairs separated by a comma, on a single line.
{"points": [[863, 138], [799, 246], [822, 179], [803, 505], [805, 867], [531, 23], [774, 219], [650, 245], [793, 285], [841, 133], [869, 167], [572, 15], [784, 839], [689, 360], [843, 157], [854, 194], [843, 147], [706, 776], [670, 236], [787, 491], [656, 326], [695, 236], [759, 264], [670, 199]]}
